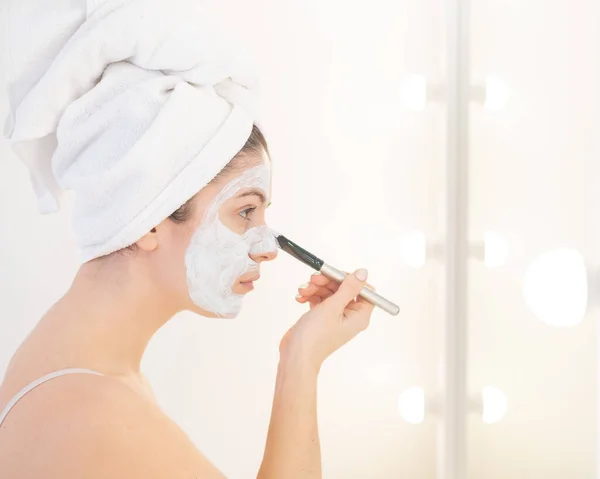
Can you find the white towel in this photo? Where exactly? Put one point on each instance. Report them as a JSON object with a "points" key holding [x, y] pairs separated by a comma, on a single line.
{"points": [[135, 105]]}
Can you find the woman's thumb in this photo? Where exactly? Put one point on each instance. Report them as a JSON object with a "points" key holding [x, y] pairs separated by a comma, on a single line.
{"points": [[348, 290]]}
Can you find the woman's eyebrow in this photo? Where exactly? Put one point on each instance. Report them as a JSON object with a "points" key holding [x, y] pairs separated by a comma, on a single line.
{"points": [[255, 192]]}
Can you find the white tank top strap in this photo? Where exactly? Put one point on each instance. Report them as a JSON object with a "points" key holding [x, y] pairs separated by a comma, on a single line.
{"points": [[37, 382]]}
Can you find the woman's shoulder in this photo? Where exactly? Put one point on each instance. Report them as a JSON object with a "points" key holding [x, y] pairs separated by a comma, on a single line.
{"points": [[45, 397], [81, 423], [66, 418]]}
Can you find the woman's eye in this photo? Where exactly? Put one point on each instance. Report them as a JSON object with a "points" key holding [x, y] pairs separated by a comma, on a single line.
{"points": [[247, 212]]}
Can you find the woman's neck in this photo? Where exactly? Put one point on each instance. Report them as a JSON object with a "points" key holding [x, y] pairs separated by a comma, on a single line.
{"points": [[106, 319]]}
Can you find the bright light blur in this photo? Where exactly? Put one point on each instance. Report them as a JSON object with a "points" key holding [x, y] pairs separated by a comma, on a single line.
{"points": [[414, 92], [414, 249], [496, 250], [556, 287], [496, 93], [411, 405], [494, 405]]}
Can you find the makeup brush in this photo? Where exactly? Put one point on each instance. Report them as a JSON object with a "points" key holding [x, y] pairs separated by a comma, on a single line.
{"points": [[332, 273]]}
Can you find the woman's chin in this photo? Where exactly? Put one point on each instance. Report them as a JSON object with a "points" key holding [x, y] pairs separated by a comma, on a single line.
{"points": [[243, 288]]}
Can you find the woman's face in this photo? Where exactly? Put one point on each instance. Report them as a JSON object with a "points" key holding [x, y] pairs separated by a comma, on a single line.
{"points": [[219, 250]]}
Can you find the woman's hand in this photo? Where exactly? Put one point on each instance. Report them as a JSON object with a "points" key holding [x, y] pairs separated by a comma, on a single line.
{"points": [[336, 316]]}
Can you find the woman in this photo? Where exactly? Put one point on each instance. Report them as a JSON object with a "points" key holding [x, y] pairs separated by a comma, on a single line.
{"points": [[157, 237]]}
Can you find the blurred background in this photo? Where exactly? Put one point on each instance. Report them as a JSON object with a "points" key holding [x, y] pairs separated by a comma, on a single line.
{"points": [[355, 96]]}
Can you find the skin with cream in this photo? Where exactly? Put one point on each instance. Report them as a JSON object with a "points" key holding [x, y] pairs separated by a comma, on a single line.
{"points": [[218, 256]]}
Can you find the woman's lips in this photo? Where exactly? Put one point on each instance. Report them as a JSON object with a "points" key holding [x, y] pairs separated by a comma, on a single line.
{"points": [[247, 282]]}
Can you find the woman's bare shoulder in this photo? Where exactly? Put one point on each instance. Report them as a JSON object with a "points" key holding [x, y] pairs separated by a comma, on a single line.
{"points": [[94, 426]]}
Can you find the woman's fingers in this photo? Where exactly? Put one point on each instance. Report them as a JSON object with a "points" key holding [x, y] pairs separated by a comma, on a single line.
{"points": [[311, 300], [301, 299], [311, 289], [322, 280], [320, 288], [313, 294], [304, 298], [359, 305]]}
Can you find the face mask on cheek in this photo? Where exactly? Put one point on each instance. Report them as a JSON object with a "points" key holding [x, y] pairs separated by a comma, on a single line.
{"points": [[217, 257]]}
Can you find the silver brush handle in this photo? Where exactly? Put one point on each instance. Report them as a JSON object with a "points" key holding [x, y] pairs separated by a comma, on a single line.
{"points": [[365, 293]]}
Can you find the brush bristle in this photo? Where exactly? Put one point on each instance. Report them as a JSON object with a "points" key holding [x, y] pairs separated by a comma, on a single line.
{"points": [[277, 235]]}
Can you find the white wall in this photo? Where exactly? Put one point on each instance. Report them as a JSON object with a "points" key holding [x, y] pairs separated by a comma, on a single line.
{"points": [[353, 167]]}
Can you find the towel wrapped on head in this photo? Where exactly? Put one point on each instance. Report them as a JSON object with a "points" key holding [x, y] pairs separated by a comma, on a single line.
{"points": [[134, 105]]}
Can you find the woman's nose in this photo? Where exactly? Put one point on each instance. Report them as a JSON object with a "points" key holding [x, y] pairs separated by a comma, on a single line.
{"points": [[265, 256]]}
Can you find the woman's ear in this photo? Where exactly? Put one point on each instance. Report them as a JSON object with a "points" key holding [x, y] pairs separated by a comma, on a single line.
{"points": [[148, 242]]}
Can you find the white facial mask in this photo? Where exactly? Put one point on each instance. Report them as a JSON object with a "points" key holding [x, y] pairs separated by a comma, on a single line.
{"points": [[217, 257]]}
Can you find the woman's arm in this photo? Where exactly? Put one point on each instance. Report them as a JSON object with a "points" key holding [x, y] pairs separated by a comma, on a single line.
{"points": [[293, 449]]}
